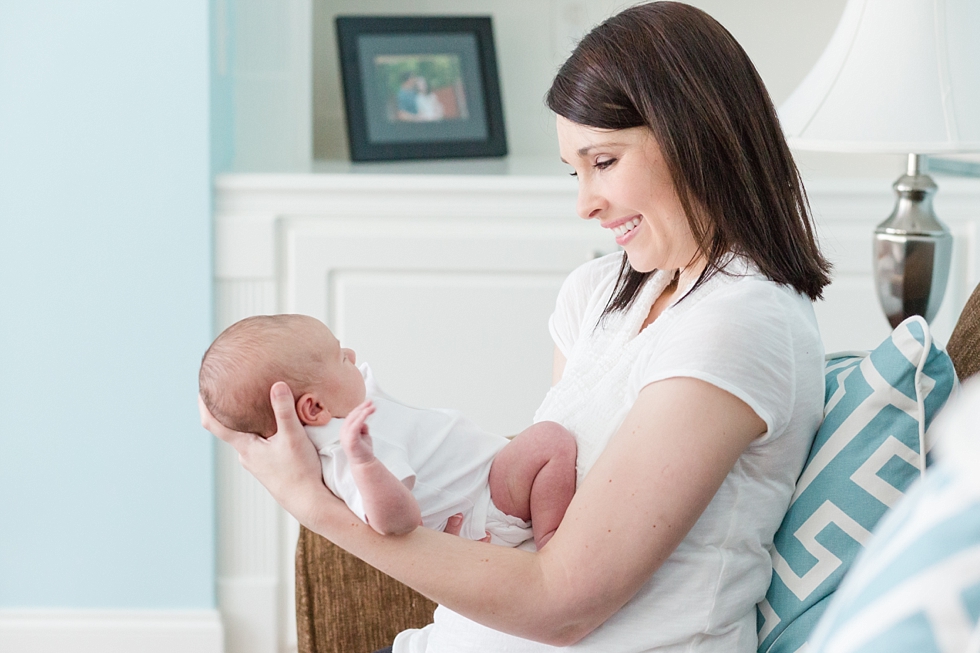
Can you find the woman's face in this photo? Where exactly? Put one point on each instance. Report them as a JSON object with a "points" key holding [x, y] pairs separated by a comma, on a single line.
{"points": [[623, 182]]}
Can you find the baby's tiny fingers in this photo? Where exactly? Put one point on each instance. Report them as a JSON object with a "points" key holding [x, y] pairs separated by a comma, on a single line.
{"points": [[357, 417], [454, 524], [364, 410]]}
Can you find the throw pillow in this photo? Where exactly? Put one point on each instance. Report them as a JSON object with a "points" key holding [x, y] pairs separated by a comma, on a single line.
{"points": [[917, 587], [868, 450]]}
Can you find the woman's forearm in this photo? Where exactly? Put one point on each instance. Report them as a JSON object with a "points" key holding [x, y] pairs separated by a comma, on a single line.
{"points": [[519, 592]]}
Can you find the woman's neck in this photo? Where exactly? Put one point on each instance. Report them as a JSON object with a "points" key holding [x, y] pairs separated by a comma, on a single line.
{"points": [[682, 280], [690, 273]]}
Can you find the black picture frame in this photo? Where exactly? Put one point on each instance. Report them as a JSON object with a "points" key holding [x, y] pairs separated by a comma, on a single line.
{"points": [[420, 87]]}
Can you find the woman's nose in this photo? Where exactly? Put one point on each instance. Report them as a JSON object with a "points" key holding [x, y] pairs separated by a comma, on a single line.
{"points": [[589, 204]]}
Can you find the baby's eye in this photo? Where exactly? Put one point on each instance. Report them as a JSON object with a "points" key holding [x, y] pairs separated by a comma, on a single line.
{"points": [[573, 174]]}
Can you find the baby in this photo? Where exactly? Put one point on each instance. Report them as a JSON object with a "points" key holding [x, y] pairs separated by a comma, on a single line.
{"points": [[393, 465]]}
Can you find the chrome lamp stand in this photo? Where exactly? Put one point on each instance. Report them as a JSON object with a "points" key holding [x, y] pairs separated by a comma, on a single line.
{"points": [[912, 250]]}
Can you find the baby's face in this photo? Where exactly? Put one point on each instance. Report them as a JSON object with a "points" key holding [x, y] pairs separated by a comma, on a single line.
{"points": [[340, 386]]}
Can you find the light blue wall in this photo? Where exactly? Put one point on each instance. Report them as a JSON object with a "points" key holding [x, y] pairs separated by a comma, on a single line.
{"points": [[223, 39], [106, 497]]}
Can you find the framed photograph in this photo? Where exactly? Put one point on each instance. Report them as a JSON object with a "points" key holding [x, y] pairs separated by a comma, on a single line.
{"points": [[420, 87]]}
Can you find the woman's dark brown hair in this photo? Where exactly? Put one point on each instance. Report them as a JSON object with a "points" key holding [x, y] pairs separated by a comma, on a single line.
{"points": [[672, 68]]}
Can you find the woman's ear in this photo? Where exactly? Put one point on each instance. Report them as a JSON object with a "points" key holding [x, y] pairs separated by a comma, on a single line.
{"points": [[311, 410]]}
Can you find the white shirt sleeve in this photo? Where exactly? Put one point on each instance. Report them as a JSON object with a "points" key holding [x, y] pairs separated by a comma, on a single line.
{"points": [[748, 353], [581, 299]]}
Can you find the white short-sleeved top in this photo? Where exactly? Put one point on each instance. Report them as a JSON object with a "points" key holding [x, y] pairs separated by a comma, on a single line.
{"points": [[740, 332], [448, 456]]}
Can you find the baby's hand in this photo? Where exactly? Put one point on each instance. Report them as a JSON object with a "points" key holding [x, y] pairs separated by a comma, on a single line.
{"points": [[354, 435], [454, 525]]}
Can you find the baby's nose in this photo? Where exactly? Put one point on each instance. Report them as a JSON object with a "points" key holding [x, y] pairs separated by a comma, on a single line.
{"points": [[352, 356]]}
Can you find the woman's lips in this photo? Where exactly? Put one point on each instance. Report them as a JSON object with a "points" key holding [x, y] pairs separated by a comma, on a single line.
{"points": [[625, 230]]}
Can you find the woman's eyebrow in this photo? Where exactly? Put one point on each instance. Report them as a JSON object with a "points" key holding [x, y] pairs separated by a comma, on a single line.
{"points": [[583, 151]]}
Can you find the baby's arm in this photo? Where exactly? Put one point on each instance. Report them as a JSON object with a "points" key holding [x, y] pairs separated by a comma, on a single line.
{"points": [[389, 505], [533, 477]]}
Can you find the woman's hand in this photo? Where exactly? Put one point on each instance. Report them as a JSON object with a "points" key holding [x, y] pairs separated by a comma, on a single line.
{"points": [[286, 463]]}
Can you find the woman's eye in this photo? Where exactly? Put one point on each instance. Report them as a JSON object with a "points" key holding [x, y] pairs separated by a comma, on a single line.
{"points": [[573, 174], [603, 164]]}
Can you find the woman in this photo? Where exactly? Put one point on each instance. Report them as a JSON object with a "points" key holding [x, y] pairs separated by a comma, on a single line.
{"points": [[689, 370], [429, 106]]}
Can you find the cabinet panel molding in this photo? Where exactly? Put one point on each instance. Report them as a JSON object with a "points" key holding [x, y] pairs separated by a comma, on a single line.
{"points": [[474, 342]]}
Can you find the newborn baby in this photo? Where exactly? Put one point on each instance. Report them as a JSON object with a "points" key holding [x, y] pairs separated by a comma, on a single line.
{"points": [[395, 466]]}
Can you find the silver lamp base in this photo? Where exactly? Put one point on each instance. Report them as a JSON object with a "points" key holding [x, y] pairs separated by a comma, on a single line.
{"points": [[912, 250]]}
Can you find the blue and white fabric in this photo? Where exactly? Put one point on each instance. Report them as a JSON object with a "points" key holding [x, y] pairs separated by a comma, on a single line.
{"points": [[917, 587], [869, 448]]}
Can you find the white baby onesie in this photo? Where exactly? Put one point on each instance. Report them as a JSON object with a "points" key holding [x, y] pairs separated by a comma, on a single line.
{"points": [[448, 456]]}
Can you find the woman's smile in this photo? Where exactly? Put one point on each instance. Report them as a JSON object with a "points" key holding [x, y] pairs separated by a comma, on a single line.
{"points": [[624, 230]]}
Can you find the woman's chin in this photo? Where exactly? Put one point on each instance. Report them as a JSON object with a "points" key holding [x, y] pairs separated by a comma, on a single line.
{"points": [[641, 264]]}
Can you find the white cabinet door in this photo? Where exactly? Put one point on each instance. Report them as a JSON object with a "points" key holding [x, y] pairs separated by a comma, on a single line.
{"points": [[448, 314]]}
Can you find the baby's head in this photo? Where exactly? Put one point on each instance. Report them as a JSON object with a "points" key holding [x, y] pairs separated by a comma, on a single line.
{"points": [[243, 363]]}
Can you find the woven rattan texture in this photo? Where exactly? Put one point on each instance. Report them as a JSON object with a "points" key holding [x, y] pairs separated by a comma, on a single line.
{"points": [[344, 605], [964, 344]]}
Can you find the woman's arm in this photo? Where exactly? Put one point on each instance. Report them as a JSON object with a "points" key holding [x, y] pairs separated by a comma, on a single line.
{"points": [[652, 482]]}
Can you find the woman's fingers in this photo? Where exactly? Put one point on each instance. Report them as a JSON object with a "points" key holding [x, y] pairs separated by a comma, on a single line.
{"points": [[286, 463], [240, 441], [284, 407]]}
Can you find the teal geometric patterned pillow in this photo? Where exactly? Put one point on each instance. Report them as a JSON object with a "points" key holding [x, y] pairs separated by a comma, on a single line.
{"points": [[917, 587], [868, 450]]}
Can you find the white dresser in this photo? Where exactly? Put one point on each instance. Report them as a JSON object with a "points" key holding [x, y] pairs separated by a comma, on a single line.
{"points": [[442, 276]]}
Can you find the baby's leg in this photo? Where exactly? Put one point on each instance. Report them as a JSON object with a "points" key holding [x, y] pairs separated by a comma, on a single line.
{"points": [[533, 477]]}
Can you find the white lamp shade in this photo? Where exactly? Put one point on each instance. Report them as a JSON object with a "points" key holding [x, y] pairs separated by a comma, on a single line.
{"points": [[898, 76]]}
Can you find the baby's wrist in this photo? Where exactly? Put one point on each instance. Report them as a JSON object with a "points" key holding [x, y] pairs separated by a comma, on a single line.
{"points": [[361, 460]]}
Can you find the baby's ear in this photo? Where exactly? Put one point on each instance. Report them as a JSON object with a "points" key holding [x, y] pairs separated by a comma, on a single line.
{"points": [[311, 410]]}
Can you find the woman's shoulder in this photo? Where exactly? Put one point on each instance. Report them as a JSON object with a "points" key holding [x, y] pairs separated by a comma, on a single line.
{"points": [[744, 309], [583, 295], [740, 287], [591, 283], [598, 272]]}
